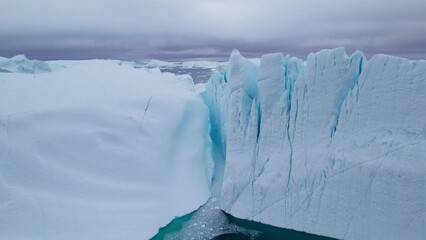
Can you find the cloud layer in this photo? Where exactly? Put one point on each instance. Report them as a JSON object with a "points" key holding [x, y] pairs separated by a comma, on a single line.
{"points": [[135, 29]]}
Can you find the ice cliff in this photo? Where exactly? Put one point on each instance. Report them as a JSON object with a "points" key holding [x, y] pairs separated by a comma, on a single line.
{"points": [[99, 150], [333, 146]]}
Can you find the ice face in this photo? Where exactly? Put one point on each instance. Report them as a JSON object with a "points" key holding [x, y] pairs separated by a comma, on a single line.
{"points": [[99, 151], [334, 146]]}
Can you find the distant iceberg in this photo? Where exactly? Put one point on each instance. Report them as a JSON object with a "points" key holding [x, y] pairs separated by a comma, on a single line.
{"points": [[21, 64]]}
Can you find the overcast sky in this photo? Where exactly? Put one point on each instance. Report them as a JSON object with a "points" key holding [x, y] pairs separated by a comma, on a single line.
{"points": [[183, 29]]}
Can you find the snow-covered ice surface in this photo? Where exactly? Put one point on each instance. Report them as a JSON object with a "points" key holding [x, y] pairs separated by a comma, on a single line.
{"points": [[100, 150], [333, 146]]}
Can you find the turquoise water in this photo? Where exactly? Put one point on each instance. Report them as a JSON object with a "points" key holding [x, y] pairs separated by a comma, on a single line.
{"points": [[174, 226], [242, 229]]}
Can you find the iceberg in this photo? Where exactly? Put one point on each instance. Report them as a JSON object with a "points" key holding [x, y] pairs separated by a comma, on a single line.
{"points": [[100, 150], [200, 71], [333, 146], [21, 64]]}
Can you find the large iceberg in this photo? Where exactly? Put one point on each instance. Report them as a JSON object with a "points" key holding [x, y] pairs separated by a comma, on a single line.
{"points": [[100, 151], [97, 149], [333, 146]]}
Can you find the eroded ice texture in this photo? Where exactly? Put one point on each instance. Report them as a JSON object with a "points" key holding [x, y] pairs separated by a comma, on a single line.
{"points": [[100, 151], [334, 146]]}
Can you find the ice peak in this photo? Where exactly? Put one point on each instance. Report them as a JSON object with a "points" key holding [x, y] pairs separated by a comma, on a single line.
{"points": [[235, 52], [19, 57], [235, 56]]}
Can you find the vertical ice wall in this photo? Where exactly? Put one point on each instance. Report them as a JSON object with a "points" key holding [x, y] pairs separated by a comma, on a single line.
{"points": [[333, 146], [100, 150]]}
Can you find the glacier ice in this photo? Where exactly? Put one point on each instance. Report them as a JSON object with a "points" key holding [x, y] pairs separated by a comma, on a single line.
{"points": [[333, 146], [96, 149], [99, 151]]}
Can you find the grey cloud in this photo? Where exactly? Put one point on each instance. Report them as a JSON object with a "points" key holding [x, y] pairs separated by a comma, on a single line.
{"points": [[209, 29]]}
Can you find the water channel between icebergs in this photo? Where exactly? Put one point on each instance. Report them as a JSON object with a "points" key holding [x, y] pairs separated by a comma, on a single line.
{"points": [[209, 222]]}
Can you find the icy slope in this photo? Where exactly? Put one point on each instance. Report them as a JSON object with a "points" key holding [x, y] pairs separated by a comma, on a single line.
{"points": [[99, 151], [334, 146]]}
